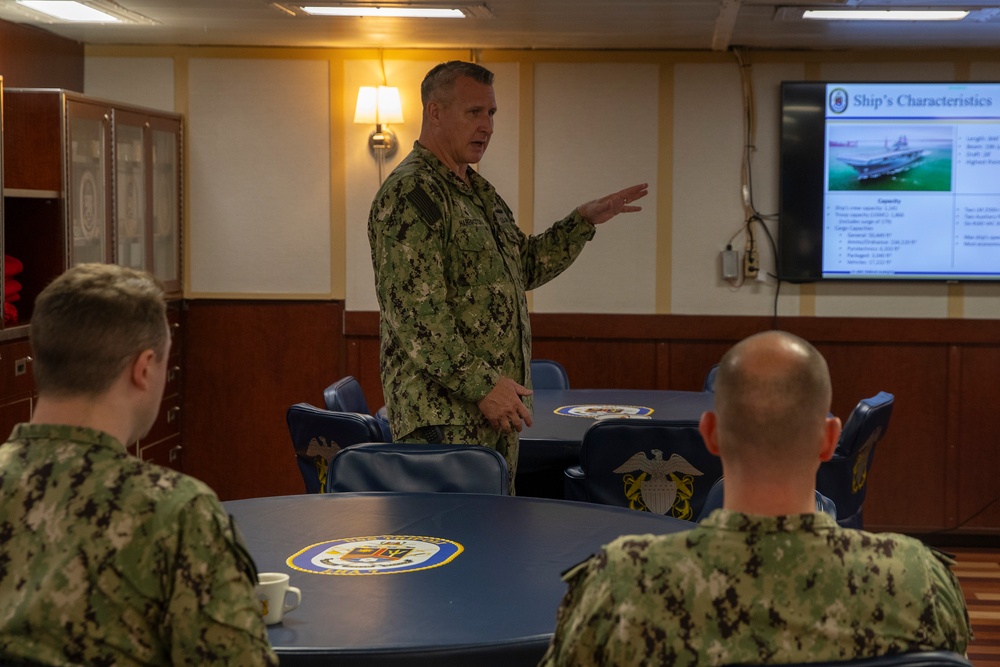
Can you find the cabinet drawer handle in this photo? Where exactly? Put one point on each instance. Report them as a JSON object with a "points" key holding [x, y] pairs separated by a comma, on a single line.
{"points": [[172, 414], [172, 373], [175, 453]]}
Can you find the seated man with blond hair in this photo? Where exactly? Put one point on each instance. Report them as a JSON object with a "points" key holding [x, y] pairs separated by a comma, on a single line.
{"points": [[106, 559]]}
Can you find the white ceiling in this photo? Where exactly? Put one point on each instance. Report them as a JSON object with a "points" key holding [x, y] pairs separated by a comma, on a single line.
{"points": [[540, 24]]}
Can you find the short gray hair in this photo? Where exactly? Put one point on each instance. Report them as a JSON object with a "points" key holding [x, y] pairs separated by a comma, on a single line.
{"points": [[443, 77]]}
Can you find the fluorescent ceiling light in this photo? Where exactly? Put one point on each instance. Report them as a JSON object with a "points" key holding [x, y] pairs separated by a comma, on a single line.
{"points": [[388, 11], [885, 14], [68, 10]]}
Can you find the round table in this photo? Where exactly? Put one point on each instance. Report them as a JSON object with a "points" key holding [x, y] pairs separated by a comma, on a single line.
{"points": [[493, 603]]}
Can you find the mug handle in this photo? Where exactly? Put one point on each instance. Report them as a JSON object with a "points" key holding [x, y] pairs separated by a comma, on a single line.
{"points": [[298, 599]]}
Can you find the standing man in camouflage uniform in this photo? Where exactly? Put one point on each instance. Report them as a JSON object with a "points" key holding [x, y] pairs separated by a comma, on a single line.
{"points": [[451, 271], [104, 559], [766, 579]]}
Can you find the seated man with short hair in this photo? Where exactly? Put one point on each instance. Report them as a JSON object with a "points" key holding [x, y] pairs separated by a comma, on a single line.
{"points": [[766, 579], [106, 559]]}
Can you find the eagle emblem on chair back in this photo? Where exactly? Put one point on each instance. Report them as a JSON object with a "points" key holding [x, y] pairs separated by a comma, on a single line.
{"points": [[862, 459], [321, 453], [659, 487]]}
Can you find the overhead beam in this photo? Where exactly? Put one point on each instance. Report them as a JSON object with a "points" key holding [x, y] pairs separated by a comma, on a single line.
{"points": [[725, 23]]}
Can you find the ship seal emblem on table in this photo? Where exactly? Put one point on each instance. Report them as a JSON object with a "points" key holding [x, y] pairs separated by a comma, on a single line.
{"points": [[375, 554], [605, 411]]}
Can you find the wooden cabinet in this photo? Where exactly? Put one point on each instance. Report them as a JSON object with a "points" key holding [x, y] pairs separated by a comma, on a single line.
{"points": [[17, 386], [88, 184], [90, 180], [146, 194]]}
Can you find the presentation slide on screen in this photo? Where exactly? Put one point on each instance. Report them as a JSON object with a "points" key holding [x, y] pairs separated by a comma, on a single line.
{"points": [[912, 180]]}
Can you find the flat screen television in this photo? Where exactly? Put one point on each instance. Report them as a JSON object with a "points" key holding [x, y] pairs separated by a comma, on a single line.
{"points": [[889, 181]]}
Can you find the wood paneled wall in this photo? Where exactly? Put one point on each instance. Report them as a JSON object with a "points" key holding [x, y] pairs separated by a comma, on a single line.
{"points": [[246, 362], [33, 58], [937, 470]]}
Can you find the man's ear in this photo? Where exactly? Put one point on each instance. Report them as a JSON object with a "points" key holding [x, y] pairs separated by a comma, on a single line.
{"points": [[831, 435], [709, 429], [434, 112], [140, 371]]}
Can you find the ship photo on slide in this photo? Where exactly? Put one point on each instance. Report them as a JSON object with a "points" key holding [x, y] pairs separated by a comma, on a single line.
{"points": [[890, 157]]}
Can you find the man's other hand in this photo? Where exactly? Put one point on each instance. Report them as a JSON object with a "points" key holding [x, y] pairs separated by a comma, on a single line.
{"points": [[503, 406]]}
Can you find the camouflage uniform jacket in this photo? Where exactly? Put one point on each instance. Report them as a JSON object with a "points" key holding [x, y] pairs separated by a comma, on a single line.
{"points": [[758, 590], [106, 560], [451, 270]]}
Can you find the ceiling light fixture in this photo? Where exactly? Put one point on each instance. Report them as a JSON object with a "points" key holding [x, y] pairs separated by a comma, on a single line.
{"points": [[83, 11], [409, 11], [68, 10], [434, 9], [885, 14]]}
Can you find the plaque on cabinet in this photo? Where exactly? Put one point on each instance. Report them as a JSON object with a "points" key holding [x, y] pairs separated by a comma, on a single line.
{"points": [[87, 189], [130, 214], [164, 202]]}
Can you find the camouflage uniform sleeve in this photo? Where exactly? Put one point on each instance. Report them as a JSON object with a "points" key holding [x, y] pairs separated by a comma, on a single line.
{"points": [[212, 615], [409, 237], [584, 618], [949, 602], [550, 253]]}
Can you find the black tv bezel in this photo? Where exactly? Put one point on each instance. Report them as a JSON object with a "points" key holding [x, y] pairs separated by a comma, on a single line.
{"points": [[800, 187]]}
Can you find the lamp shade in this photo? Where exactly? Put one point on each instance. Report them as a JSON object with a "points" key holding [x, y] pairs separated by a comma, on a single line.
{"points": [[390, 110], [378, 105]]}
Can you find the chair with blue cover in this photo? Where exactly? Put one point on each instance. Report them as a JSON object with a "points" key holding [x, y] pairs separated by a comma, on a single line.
{"points": [[716, 495], [917, 659], [346, 395], [548, 374], [417, 468], [658, 466], [844, 478], [318, 435], [709, 383]]}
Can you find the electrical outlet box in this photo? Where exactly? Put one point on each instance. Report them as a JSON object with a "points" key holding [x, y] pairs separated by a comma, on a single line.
{"points": [[750, 267], [730, 265]]}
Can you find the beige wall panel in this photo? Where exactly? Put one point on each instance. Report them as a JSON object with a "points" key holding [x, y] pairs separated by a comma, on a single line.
{"points": [[500, 166], [259, 177], [865, 70], [707, 209], [595, 133], [147, 82], [765, 158], [708, 205], [875, 299]]}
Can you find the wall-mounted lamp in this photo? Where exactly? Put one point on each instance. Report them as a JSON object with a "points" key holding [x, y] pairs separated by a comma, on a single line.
{"points": [[379, 106]]}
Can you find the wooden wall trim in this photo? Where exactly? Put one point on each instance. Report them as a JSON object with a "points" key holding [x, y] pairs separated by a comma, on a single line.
{"points": [[581, 326], [953, 435]]}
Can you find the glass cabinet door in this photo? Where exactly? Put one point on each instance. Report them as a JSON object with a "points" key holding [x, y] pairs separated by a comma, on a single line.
{"points": [[166, 202], [87, 190], [130, 190]]}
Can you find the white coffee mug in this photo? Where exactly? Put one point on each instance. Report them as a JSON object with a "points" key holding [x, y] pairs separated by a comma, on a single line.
{"points": [[272, 592]]}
